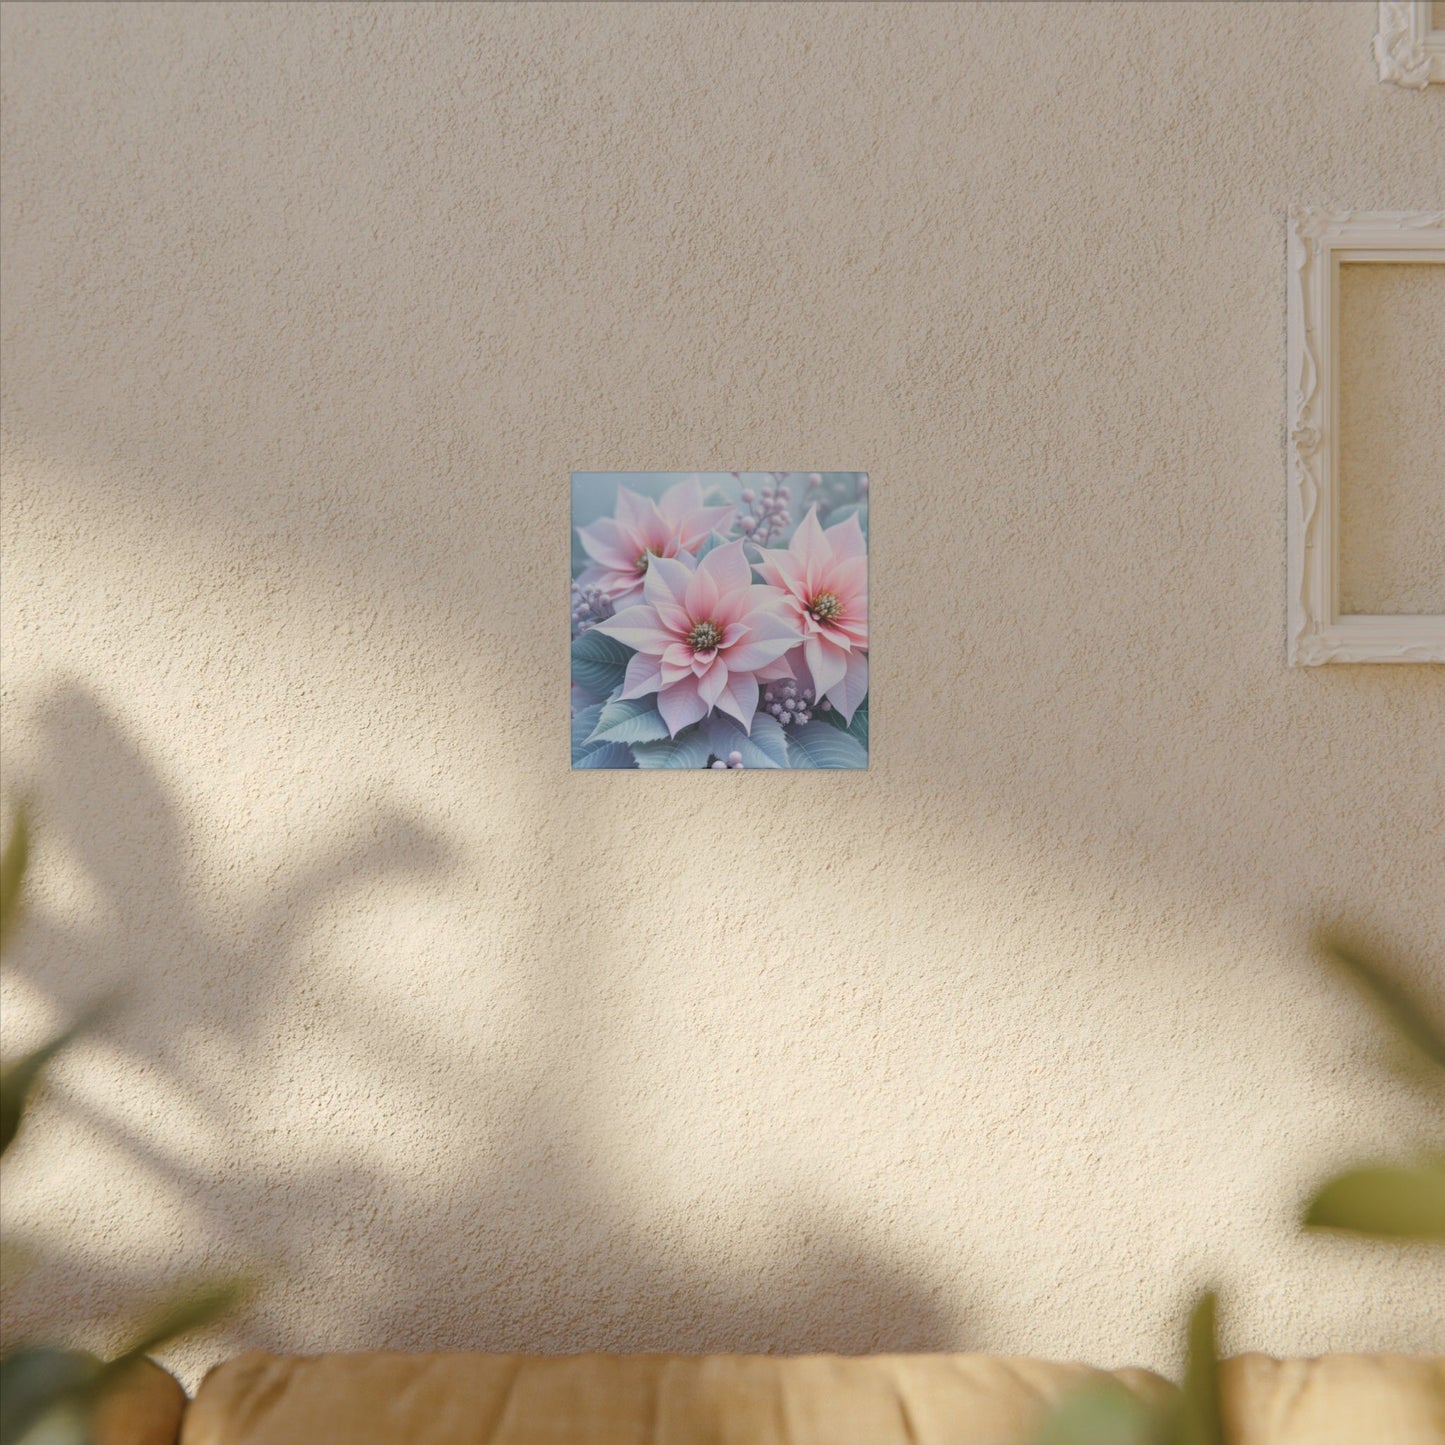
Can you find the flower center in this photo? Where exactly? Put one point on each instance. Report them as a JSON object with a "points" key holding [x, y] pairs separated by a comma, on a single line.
{"points": [[825, 607], [647, 556], [704, 637]]}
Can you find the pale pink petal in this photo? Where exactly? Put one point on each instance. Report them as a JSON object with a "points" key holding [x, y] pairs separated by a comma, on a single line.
{"points": [[772, 599], [768, 570], [633, 511], [616, 586], [606, 542], [672, 673], [782, 668], [665, 582], [847, 540], [811, 551], [733, 632], [694, 529], [681, 498], [800, 671], [740, 699], [857, 631], [659, 536], [728, 567], [764, 625], [678, 654], [638, 627], [702, 661], [846, 695], [680, 705], [759, 652], [644, 675], [690, 522], [672, 617], [828, 664], [702, 593], [848, 580], [782, 569], [712, 684]]}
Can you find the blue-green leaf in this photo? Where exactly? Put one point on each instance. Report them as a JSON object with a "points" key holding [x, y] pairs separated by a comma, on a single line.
{"points": [[766, 748], [820, 745], [636, 721], [688, 749], [599, 662], [609, 755], [582, 724], [859, 726]]}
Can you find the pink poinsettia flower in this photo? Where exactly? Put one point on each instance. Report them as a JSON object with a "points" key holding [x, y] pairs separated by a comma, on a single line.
{"points": [[705, 635], [622, 546], [823, 575]]}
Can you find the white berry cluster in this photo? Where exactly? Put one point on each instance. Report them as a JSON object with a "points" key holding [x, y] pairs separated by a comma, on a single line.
{"points": [[590, 605], [788, 705]]}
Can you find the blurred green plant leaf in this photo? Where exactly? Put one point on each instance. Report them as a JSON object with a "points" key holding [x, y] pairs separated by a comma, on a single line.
{"points": [[50, 1386], [18, 1081], [19, 1078], [16, 1260], [1409, 1019], [12, 871], [1200, 1419], [1105, 1413], [48, 1396], [1101, 1413], [199, 1304], [1388, 1201]]}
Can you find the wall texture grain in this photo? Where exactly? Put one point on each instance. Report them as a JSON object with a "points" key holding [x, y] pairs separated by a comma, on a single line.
{"points": [[1392, 438], [310, 309]]}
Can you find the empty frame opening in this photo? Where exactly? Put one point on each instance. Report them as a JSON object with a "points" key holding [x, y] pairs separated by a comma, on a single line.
{"points": [[1392, 438]]}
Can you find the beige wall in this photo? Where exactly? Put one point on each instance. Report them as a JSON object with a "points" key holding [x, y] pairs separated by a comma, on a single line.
{"points": [[309, 311], [1392, 438]]}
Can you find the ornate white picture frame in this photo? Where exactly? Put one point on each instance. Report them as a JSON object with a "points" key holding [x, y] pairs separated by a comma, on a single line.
{"points": [[1409, 48], [1320, 241]]}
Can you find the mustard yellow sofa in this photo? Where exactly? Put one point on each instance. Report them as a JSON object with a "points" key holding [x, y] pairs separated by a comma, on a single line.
{"points": [[474, 1399]]}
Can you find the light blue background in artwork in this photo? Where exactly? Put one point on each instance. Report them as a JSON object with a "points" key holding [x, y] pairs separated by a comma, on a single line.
{"points": [[594, 493]]}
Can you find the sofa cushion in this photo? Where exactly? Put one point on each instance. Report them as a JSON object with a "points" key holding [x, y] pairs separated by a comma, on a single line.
{"points": [[475, 1399], [141, 1407], [1334, 1400]]}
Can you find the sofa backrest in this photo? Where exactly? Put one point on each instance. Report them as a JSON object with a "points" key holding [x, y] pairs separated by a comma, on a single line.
{"points": [[475, 1399]]}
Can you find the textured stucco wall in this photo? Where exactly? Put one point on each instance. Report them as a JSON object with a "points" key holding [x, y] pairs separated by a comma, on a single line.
{"points": [[1392, 438], [309, 311]]}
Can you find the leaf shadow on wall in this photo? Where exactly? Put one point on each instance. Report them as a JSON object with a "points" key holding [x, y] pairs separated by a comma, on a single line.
{"points": [[560, 1261]]}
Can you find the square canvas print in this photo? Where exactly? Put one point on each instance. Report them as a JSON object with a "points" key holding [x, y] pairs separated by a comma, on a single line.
{"points": [[719, 620]]}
